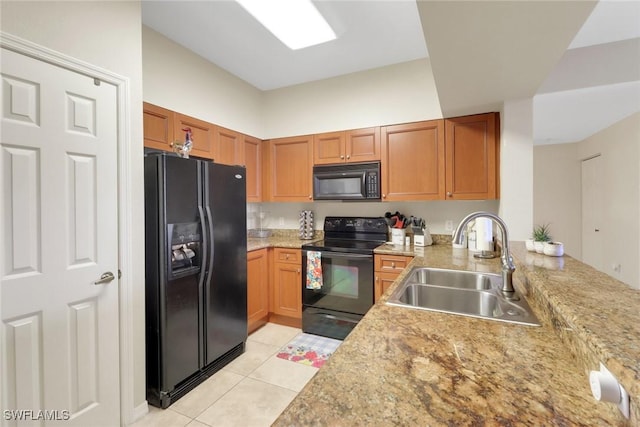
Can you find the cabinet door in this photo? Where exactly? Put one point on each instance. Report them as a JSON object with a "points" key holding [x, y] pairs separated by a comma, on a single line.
{"points": [[363, 145], [472, 157], [257, 289], [382, 282], [290, 162], [228, 146], [201, 133], [413, 161], [287, 290], [158, 127], [329, 148], [253, 163]]}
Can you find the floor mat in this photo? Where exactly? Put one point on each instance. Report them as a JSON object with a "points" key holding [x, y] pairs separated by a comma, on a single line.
{"points": [[309, 349]]}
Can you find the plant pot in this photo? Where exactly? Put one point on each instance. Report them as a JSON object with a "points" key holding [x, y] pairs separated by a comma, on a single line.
{"points": [[539, 247], [530, 246], [553, 248]]}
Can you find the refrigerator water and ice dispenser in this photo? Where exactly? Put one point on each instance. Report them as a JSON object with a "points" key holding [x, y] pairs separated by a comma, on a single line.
{"points": [[185, 252]]}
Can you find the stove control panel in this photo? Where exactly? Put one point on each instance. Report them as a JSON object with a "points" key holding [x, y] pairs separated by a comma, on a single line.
{"points": [[360, 224]]}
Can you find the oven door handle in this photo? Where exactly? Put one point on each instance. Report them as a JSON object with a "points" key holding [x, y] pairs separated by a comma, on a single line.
{"points": [[330, 254], [331, 316]]}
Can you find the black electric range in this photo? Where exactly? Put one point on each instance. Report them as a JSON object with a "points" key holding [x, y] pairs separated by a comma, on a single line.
{"points": [[338, 279]]}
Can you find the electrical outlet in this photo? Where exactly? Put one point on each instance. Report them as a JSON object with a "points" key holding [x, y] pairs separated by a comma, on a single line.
{"points": [[616, 267], [281, 221], [448, 225]]}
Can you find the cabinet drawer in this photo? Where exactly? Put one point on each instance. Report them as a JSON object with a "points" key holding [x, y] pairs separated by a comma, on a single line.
{"points": [[287, 255], [390, 263]]}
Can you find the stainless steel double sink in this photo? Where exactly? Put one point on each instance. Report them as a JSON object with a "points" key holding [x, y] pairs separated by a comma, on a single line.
{"points": [[463, 293]]}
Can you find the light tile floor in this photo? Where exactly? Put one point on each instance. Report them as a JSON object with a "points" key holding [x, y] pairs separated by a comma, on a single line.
{"points": [[251, 391]]}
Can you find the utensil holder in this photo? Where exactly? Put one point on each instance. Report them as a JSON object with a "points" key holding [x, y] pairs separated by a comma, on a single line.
{"points": [[306, 225], [398, 235]]}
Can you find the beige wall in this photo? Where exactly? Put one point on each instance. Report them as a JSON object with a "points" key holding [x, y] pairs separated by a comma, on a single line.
{"points": [[394, 94], [180, 80], [619, 146], [516, 167], [557, 194], [105, 34]]}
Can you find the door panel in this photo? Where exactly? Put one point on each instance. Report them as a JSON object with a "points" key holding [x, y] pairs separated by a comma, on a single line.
{"points": [[592, 213], [226, 289], [58, 150]]}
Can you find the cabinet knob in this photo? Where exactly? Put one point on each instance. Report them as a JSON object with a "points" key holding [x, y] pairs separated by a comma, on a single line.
{"points": [[393, 265], [341, 157], [384, 196], [298, 271], [449, 194], [310, 197], [348, 157]]}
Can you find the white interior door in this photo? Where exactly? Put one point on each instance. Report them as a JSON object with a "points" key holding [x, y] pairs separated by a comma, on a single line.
{"points": [[592, 213], [58, 219]]}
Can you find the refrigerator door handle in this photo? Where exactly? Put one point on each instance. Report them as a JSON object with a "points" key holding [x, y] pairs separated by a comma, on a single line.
{"points": [[210, 264], [205, 245]]}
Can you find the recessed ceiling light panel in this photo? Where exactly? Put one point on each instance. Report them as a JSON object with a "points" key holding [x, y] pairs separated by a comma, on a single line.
{"points": [[296, 23]]}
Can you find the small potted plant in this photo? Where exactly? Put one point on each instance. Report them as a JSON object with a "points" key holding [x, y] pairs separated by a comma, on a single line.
{"points": [[540, 236]]}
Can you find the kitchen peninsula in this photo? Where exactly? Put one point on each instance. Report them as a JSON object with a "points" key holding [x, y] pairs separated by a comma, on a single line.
{"points": [[402, 366]]}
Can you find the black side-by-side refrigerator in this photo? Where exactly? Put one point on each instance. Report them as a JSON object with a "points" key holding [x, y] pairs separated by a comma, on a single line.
{"points": [[196, 272]]}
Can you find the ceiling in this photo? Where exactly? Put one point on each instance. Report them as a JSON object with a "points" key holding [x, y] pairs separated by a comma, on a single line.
{"points": [[580, 60]]}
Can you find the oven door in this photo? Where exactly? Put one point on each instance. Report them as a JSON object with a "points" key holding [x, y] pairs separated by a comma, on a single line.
{"points": [[347, 282]]}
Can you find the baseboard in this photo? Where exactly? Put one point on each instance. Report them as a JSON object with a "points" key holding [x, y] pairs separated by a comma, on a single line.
{"points": [[140, 411]]}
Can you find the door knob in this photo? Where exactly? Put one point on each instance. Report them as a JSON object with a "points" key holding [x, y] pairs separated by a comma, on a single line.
{"points": [[105, 278]]}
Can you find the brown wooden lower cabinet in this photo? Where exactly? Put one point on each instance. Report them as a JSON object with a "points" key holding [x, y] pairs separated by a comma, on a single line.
{"points": [[387, 270], [257, 289], [286, 301]]}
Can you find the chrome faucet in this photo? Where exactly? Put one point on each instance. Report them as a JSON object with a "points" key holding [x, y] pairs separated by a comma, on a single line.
{"points": [[507, 261]]}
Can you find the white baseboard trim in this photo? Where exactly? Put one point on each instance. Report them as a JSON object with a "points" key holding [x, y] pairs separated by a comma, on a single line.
{"points": [[139, 412]]}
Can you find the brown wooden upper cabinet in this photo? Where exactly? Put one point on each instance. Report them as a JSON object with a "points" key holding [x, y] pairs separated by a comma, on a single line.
{"points": [[447, 159], [253, 163], [289, 162], [202, 134], [228, 146], [413, 161], [158, 127], [359, 145], [472, 148]]}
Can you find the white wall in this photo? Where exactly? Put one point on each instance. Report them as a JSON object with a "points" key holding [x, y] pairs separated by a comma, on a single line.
{"points": [[105, 34], [394, 94], [557, 194], [516, 167], [180, 80]]}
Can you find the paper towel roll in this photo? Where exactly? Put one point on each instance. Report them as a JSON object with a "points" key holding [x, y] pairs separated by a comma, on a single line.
{"points": [[484, 234]]}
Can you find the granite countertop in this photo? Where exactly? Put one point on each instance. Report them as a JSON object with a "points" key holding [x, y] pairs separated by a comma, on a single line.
{"points": [[403, 366]]}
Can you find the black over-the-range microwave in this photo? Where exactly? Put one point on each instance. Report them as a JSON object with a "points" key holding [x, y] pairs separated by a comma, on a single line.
{"points": [[353, 181]]}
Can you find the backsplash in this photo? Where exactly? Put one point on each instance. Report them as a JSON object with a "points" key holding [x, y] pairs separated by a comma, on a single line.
{"points": [[439, 215]]}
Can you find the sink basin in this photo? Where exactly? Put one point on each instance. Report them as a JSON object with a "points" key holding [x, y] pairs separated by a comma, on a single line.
{"points": [[460, 292], [455, 278]]}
